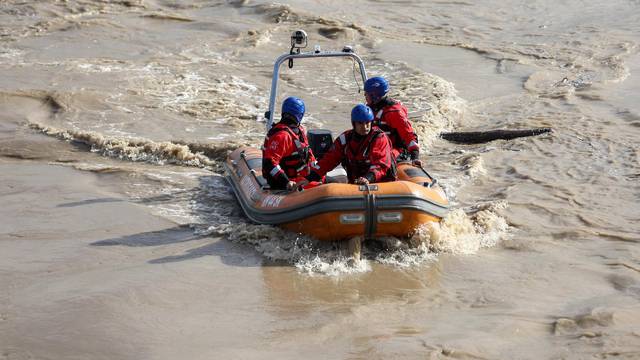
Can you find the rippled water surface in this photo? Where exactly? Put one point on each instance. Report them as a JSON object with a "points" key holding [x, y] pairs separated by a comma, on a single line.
{"points": [[121, 239]]}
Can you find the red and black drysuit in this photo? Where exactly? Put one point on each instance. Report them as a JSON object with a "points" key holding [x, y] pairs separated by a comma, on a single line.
{"points": [[392, 117], [286, 155], [367, 156]]}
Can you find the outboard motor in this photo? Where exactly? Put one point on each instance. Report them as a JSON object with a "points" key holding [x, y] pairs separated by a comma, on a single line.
{"points": [[320, 141]]}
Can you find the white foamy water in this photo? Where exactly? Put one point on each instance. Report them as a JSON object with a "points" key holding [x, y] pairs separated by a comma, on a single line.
{"points": [[459, 233], [121, 238]]}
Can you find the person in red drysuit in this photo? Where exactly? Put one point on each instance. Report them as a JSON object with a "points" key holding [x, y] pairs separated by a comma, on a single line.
{"points": [[391, 116], [286, 155], [365, 152]]}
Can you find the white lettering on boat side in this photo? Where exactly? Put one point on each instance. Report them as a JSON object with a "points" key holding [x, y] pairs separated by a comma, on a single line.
{"points": [[250, 187], [272, 200]]}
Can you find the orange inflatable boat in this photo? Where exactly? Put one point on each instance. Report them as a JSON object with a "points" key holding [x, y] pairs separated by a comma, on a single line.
{"points": [[334, 211], [338, 211]]}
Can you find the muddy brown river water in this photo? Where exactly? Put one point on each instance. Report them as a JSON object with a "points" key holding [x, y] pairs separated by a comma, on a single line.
{"points": [[120, 239]]}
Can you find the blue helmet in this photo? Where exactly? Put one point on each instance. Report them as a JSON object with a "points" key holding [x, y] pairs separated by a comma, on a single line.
{"points": [[293, 106], [376, 87], [361, 113]]}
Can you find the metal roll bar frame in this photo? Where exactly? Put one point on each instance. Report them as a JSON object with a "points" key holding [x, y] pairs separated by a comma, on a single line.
{"points": [[346, 52]]}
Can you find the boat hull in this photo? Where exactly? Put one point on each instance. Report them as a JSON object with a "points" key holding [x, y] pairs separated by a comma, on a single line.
{"points": [[337, 211]]}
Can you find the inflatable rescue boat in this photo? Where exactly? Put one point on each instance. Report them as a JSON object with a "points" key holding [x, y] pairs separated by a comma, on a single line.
{"points": [[335, 210]]}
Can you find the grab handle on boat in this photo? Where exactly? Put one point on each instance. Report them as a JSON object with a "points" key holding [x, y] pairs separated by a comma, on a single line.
{"points": [[433, 182], [368, 188]]}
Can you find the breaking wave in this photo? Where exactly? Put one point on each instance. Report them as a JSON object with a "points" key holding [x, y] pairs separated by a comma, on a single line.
{"points": [[41, 18], [167, 16], [433, 104], [221, 100], [446, 108], [330, 28], [462, 233], [138, 149], [472, 164], [305, 253]]}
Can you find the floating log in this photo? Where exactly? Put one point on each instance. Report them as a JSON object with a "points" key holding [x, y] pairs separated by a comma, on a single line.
{"points": [[478, 137]]}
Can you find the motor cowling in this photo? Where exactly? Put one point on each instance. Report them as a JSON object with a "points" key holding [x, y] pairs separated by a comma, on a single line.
{"points": [[320, 141]]}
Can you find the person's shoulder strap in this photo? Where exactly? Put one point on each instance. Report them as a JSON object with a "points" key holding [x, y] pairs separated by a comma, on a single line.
{"points": [[274, 130], [303, 134], [279, 128]]}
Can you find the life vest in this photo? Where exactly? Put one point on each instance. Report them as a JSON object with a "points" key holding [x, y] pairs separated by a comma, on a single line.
{"points": [[297, 163], [357, 162]]}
